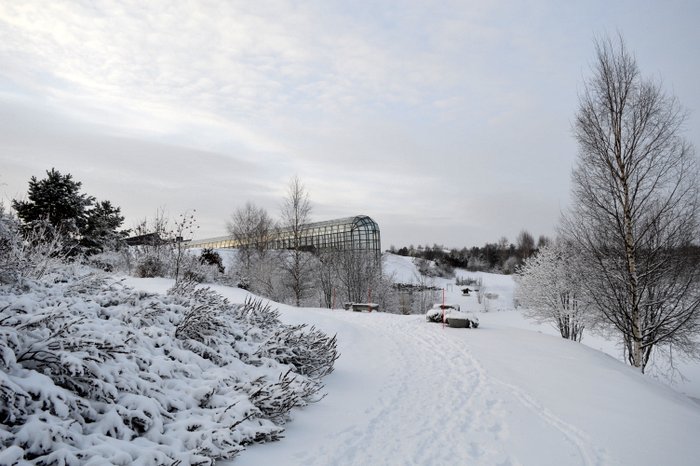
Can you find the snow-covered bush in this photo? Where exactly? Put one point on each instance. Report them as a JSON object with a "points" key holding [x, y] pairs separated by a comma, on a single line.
{"points": [[469, 281], [35, 254], [549, 288], [165, 264], [110, 261], [435, 314], [206, 311], [210, 257], [9, 243], [92, 372], [151, 266], [308, 351], [193, 267], [510, 265], [434, 269]]}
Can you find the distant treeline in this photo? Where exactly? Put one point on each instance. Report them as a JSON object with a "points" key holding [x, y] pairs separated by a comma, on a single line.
{"points": [[502, 256]]}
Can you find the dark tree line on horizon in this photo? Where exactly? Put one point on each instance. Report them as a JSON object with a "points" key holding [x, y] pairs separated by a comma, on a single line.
{"points": [[502, 256]]}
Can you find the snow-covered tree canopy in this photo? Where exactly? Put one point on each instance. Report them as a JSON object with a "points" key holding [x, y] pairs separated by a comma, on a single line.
{"points": [[550, 292]]}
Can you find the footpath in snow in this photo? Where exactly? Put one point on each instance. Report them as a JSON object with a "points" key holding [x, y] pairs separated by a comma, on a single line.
{"points": [[409, 392]]}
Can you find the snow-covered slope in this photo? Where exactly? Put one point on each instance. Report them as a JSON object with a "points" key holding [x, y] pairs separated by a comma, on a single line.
{"points": [[400, 268], [408, 392]]}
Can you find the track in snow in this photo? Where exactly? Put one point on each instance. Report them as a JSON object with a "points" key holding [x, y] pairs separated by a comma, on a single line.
{"points": [[433, 404], [408, 392], [430, 410]]}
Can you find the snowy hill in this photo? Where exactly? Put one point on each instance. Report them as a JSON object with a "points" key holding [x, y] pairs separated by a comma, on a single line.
{"points": [[405, 391]]}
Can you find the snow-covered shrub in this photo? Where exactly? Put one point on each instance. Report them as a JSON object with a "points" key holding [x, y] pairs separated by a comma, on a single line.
{"points": [[92, 372], [200, 271], [210, 257], [35, 254], [151, 266], [469, 281], [549, 288], [510, 265], [275, 399], [308, 351], [110, 261], [257, 313], [444, 270], [434, 269], [205, 314], [263, 275], [9, 242], [477, 264]]}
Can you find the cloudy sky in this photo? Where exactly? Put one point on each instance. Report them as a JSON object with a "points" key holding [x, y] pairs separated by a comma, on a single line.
{"points": [[445, 121]]}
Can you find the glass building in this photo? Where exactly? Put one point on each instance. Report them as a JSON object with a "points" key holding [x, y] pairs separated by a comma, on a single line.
{"points": [[359, 233]]}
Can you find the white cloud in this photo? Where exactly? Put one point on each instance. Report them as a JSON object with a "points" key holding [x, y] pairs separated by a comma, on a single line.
{"points": [[412, 112]]}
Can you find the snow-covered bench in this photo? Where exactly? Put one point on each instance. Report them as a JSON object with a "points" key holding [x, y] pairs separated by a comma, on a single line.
{"points": [[360, 307]]}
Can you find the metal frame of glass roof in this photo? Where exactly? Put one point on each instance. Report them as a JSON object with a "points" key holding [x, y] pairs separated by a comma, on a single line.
{"points": [[359, 233]]}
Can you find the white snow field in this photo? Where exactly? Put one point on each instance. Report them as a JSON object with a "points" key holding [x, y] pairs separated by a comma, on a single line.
{"points": [[409, 392]]}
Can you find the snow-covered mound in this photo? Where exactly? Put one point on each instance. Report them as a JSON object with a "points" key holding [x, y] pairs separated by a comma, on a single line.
{"points": [[401, 269]]}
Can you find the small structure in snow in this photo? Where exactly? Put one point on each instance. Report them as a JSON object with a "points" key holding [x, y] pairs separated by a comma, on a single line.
{"points": [[462, 320], [360, 307], [149, 239], [452, 315]]}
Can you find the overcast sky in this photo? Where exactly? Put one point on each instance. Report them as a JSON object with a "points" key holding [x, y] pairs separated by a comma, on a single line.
{"points": [[446, 122]]}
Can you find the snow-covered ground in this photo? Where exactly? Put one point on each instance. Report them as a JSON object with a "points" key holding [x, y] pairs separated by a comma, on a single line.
{"points": [[408, 392]]}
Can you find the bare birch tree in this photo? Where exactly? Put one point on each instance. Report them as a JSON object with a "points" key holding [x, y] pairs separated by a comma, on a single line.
{"points": [[252, 228], [635, 194], [525, 244], [358, 272], [327, 277], [296, 214]]}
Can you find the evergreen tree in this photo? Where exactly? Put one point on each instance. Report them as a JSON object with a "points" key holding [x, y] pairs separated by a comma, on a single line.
{"points": [[211, 257], [57, 200], [101, 228], [56, 204]]}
